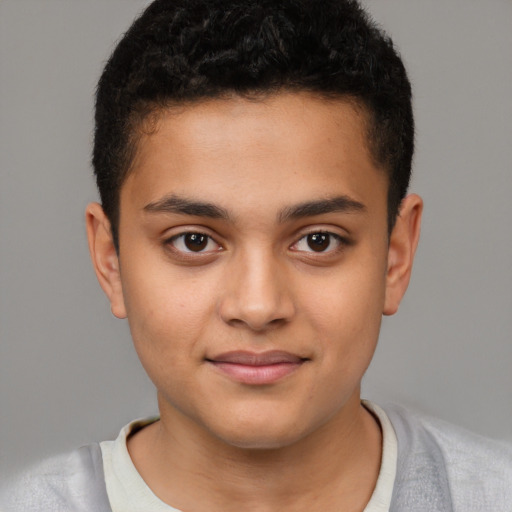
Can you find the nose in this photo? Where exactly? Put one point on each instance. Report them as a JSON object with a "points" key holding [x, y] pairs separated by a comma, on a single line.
{"points": [[256, 293]]}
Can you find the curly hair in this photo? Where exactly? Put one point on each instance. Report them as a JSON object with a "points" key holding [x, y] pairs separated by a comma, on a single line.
{"points": [[181, 51]]}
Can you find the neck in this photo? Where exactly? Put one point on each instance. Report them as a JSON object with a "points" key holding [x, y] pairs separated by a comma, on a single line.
{"points": [[335, 467]]}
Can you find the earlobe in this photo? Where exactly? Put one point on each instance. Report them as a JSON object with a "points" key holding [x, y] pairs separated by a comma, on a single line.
{"points": [[402, 247], [104, 257]]}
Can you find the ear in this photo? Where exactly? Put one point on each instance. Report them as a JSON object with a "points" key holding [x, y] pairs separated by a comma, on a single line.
{"points": [[402, 246], [104, 257]]}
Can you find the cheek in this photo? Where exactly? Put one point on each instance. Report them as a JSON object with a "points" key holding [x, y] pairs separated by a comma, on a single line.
{"points": [[166, 331], [167, 314], [345, 312]]}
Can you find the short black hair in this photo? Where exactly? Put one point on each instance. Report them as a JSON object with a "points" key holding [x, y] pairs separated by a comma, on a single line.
{"points": [[181, 51]]}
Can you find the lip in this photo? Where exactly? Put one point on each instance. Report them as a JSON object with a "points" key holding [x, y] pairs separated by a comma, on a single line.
{"points": [[256, 368]]}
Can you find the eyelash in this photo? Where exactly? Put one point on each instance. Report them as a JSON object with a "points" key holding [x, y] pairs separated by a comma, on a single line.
{"points": [[340, 241], [181, 237], [186, 252]]}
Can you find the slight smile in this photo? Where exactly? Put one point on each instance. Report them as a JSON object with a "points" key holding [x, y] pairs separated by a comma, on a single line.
{"points": [[257, 368]]}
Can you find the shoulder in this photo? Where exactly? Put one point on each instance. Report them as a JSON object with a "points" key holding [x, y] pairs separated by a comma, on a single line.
{"points": [[471, 472], [69, 482]]}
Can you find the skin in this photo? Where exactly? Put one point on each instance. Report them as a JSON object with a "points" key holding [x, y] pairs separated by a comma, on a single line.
{"points": [[302, 441]]}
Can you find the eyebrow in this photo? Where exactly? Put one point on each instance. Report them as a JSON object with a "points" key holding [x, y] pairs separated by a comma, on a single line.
{"points": [[184, 206], [340, 204]]}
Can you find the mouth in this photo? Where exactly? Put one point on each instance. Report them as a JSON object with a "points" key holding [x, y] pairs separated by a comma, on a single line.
{"points": [[257, 368]]}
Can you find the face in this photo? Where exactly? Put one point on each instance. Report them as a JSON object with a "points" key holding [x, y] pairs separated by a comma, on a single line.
{"points": [[253, 264]]}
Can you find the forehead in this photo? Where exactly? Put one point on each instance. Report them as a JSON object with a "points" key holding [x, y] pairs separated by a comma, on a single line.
{"points": [[283, 148]]}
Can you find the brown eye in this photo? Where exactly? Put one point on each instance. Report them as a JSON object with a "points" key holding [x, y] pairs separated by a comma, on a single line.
{"points": [[195, 241], [319, 242]]}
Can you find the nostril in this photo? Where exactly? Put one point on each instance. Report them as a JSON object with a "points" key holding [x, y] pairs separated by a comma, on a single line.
{"points": [[256, 296], [257, 325]]}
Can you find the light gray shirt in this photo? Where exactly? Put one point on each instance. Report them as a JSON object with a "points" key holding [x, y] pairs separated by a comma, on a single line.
{"points": [[440, 468]]}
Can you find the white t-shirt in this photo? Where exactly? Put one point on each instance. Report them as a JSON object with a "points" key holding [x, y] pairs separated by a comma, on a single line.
{"points": [[127, 491]]}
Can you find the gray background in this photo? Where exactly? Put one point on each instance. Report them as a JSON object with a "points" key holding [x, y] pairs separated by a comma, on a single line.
{"points": [[68, 373]]}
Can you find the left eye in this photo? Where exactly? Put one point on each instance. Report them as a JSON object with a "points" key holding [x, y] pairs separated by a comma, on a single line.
{"points": [[193, 242], [318, 242]]}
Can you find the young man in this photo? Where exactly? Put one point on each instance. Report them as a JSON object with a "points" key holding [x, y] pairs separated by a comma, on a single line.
{"points": [[253, 160]]}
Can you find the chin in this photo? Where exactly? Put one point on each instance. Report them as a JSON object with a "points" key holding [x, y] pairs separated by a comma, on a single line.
{"points": [[260, 442], [260, 435]]}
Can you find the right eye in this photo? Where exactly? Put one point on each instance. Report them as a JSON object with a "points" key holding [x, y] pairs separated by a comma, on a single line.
{"points": [[193, 242]]}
